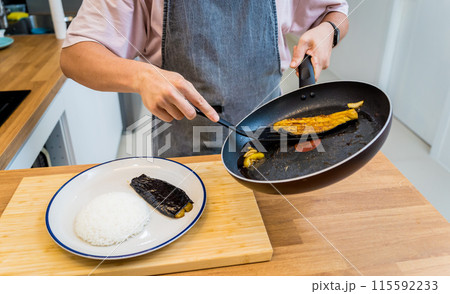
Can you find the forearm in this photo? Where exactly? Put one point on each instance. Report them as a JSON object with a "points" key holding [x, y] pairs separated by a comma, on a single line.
{"points": [[164, 93], [94, 66], [340, 20]]}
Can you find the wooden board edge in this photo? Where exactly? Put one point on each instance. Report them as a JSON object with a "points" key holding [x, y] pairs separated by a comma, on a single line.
{"points": [[263, 255]]}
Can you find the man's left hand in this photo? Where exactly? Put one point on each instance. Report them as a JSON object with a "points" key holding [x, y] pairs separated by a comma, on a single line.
{"points": [[317, 43]]}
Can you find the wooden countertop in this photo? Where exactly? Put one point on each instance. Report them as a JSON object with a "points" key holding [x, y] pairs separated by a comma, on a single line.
{"points": [[30, 63], [375, 219]]}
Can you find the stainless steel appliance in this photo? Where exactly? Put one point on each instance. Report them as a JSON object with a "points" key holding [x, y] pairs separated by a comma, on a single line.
{"points": [[3, 19]]}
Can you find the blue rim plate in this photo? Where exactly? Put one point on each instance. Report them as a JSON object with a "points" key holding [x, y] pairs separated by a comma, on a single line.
{"points": [[5, 42], [115, 176]]}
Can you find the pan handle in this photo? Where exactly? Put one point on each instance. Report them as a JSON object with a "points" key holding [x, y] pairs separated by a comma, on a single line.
{"points": [[306, 72]]}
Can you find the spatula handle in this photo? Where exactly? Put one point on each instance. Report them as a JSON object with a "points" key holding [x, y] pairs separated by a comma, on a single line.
{"points": [[224, 123]]}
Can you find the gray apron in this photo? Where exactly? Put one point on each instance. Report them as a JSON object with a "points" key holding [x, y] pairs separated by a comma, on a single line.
{"points": [[229, 51]]}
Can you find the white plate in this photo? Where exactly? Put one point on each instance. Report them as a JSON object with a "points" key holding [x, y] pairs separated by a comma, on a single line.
{"points": [[115, 176]]}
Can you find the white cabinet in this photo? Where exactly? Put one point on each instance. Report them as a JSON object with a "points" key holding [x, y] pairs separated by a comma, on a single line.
{"points": [[26, 155], [88, 123], [94, 122]]}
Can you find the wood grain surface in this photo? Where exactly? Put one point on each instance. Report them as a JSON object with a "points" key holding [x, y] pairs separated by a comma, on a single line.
{"points": [[30, 63], [230, 231], [375, 218]]}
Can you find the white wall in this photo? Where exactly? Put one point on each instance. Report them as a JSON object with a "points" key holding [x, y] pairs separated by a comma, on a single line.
{"points": [[403, 47], [360, 55], [420, 76], [440, 150]]}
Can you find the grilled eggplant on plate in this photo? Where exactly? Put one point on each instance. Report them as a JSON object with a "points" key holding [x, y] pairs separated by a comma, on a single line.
{"points": [[166, 198]]}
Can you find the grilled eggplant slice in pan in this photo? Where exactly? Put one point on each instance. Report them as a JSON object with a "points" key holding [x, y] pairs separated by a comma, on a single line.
{"points": [[318, 124]]}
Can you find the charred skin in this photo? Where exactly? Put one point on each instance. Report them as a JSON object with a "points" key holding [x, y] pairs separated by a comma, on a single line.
{"points": [[316, 124], [166, 198]]}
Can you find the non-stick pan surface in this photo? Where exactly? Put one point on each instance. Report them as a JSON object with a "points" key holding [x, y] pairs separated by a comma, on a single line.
{"points": [[346, 148]]}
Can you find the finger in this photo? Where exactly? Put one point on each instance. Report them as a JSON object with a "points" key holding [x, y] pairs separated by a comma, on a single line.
{"points": [[298, 54], [175, 97], [197, 100], [316, 66], [318, 70], [174, 111], [162, 114]]}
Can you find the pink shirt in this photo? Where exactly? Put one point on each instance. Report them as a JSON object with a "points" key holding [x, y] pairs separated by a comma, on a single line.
{"points": [[130, 28]]}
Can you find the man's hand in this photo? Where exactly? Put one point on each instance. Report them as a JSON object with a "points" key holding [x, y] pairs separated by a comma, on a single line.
{"points": [[166, 95], [318, 43]]}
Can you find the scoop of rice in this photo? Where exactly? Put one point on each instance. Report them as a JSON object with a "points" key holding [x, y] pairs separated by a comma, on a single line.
{"points": [[112, 218]]}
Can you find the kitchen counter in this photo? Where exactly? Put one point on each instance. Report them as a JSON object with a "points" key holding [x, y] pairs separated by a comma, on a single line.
{"points": [[30, 63], [375, 218]]}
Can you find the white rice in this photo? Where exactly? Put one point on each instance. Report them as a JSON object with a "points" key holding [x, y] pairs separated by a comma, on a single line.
{"points": [[112, 218]]}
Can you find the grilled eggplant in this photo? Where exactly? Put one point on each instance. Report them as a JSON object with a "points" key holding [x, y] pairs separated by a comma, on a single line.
{"points": [[166, 198], [317, 124], [251, 156]]}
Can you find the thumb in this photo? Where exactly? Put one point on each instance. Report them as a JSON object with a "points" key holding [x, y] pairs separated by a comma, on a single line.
{"points": [[316, 66]]}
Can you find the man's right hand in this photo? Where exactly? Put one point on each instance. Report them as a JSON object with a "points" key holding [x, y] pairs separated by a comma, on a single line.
{"points": [[164, 93], [167, 95]]}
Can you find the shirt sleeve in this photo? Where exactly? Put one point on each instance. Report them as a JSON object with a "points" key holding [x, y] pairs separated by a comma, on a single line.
{"points": [[310, 13], [120, 26]]}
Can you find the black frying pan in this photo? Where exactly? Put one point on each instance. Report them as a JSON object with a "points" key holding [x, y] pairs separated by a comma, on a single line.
{"points": [[347, 148]]}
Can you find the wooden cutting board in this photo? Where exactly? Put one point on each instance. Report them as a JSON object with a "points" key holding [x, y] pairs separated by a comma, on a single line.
{"points": [[230, 231]]}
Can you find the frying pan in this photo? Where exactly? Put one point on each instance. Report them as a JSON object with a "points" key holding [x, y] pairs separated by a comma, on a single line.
{"points": [[343, 150]]}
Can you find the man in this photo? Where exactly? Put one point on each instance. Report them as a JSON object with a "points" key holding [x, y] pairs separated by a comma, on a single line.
{"points": [[214, 54]]}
